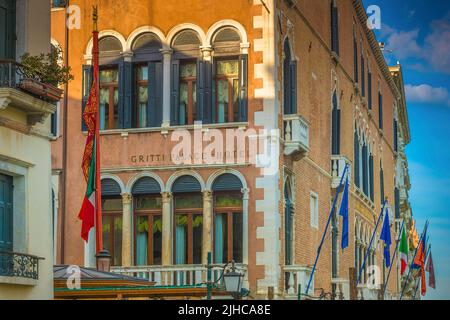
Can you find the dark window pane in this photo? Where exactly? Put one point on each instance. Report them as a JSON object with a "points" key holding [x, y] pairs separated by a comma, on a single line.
{"points": [[221, 238], [112, 204], [188, 201], [148, 202], [157, 240], [117, 241], [197, 225], [237, 237]]}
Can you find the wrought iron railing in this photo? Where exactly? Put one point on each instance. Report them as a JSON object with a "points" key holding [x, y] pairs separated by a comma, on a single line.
{"points": [[12, 73], [13, 264]]}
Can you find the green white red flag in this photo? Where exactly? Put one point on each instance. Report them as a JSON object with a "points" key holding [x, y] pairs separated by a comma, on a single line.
{"points": [[403, 252], [90, 213]]}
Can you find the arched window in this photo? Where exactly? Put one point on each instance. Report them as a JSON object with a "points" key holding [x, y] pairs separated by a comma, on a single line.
{"points": [[289, 80], [110, 50], [147, 65], [185, 68], [147, 222], [229, 78], [336, 126], [228, 219], [288, 227], [188, 220], [112, 210], [356, 153]]}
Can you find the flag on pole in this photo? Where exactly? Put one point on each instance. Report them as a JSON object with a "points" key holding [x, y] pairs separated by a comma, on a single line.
{"points": [[403, 252], [90, 213], [343, 212], [430, 270], [414, 236], [419, 262], [386, 237]]}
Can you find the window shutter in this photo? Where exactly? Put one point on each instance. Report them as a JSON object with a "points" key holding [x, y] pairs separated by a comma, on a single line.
{"points": [[8, 29], [364, 170], [128, 96], [227, 182], [356, 155], [121, 68], [397, 203], [293, 87], [336, 126], [382, 185], [209, 93], [110, 187], [154, 114], [175, 92], [363, 75], [6, 218], [371, 177], [395, 135], [146, 185], [243, 87], [87, 83], [186, 184], [369, 90], [334, 28], [355, 59], [380, 110], [200, 89]]}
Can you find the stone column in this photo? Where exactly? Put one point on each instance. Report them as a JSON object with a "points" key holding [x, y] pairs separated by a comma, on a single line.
{"points": [[166, 228], [245, 201], [207, 225], [167, 60], [127, 234]]}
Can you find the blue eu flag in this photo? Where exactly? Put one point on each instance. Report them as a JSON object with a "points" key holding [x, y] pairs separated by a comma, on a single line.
{"points": [[386, 237], [343, 212]]}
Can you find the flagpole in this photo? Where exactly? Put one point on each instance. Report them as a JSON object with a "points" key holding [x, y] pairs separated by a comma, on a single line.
{"points": [[418, 282], [98, 186], [371, 241], [415, 253], [326, 228], [393, 258]]}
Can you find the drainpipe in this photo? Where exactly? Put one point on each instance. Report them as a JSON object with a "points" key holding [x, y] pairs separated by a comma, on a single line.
{"points": [[65, 138]]}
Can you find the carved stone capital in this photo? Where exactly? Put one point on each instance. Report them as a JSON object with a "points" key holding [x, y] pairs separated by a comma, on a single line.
{"points": [[126, 198], [166, 197], [207, 195], [4, 103]]}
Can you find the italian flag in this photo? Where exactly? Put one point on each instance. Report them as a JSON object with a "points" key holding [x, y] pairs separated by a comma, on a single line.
{"points": [[403, 252], [87, 212]]}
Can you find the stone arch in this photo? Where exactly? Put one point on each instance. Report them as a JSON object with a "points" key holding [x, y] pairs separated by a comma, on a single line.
{"points": [[227, 23], [137, 177], [186, 26], [218, 173], [102, 34], [141, 30], [181, 173], [116, 179]]}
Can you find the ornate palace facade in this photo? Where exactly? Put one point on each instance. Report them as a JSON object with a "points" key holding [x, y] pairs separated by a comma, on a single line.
{"points": [[304, 82]]}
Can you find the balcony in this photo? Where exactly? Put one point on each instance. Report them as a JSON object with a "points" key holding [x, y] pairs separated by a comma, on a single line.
{"points": [[26, 93], [19, 268], [296, 135], [342, 287], [337, 169], [366, 292], [177, 275], [296, 281]]}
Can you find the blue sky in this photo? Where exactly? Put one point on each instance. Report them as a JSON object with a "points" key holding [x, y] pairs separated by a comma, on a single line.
{"points": [[417, 34]]}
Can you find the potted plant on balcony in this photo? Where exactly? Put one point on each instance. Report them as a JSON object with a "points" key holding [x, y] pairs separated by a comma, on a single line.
{"points": [[42, 74]]}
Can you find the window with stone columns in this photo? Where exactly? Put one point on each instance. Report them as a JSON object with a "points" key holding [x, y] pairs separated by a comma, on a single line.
{"points": [[147, 205], [187, 69], [144, 78], [228, 219], [112, 210], [229, 79], [188, 220]]}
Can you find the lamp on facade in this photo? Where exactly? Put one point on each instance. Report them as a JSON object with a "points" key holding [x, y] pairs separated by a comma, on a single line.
{"points": [[103, 260], [233, 281]]}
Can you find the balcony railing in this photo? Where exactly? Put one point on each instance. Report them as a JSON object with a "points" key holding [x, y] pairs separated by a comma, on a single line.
{"points": [[296, 134], [21, 265], [337, 169], [297, 278], [176, 275], [13, 75], [366, 292]]}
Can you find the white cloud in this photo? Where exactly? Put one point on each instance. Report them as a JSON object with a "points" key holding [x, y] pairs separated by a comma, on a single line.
{"points": [[425, 93]]}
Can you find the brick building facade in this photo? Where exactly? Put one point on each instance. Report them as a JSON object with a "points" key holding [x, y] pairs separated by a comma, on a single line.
{"points": [[309, 73]]}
